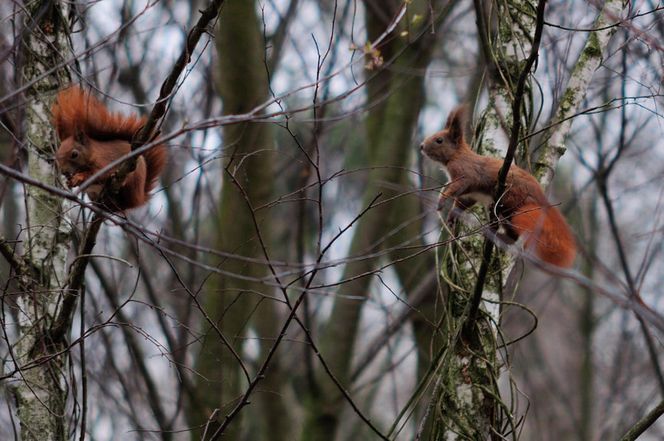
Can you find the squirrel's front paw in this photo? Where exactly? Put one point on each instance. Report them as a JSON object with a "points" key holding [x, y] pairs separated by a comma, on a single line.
{"points": [[77, 179]]}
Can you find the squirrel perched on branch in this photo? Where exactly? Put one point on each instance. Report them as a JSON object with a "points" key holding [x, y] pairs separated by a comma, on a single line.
{"points": [[523, 209], [91, 137]]}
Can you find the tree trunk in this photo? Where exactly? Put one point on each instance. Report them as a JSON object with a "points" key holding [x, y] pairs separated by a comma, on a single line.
{"points": [[392, 137], [467, 398], [233, 304], [40, 391]]}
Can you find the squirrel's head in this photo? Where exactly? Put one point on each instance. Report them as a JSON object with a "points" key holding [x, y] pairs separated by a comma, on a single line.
{"points": [[442, 146], [72, 155]]}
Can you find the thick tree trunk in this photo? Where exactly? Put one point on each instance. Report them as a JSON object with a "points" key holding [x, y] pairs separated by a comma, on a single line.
{"points": [[391, 146], [234, 304], [468, 400], [40, 391], [466, 396]]}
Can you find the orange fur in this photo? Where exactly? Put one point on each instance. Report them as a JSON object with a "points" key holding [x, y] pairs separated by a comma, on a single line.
{"points": [[523, 206], [75, 109], [92, 137], [546, 232]]}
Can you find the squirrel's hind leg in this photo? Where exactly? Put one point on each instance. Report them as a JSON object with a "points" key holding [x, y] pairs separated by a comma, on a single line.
{"points": [[132, 193]]}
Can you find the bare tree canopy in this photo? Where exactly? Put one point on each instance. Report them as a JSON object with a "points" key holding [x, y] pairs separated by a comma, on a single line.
{"points": [[331, 220]]}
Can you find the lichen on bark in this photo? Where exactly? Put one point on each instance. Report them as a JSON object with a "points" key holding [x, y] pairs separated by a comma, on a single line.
{"points": [[464, 415], [590, 58], [40, 391], [468, 405]]}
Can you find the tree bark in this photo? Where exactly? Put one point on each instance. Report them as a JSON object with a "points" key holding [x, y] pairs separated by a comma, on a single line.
{"points": [[468, 400], [391, 134], [575, 92], [40, 391], [233, 303]]}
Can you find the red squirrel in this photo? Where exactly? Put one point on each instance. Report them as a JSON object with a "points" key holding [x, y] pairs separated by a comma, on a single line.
{"points": [[91, 137], [523, 209]]}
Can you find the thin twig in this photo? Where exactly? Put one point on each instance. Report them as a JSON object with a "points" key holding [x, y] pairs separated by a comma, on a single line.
{"points": [[293, 316], [168, 85]]}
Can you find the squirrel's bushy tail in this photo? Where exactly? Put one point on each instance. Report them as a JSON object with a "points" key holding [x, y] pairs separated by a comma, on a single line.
{"points": [[76, 110], [546, 231], [155, 158]]}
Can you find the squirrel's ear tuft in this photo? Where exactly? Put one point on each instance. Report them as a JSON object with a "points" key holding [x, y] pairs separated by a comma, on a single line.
{"points": [[455, 123]]}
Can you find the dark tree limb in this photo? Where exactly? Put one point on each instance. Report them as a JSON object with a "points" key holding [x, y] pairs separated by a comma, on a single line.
{"points": [[165, 93], [147, 132], [644, 423]]}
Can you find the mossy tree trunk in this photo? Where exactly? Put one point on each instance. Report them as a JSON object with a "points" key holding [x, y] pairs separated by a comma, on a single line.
{"points": [[40, 391], [406, 216], [589, 60], [466, 397], [390, 128], [468, 404], [234, 304]]}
